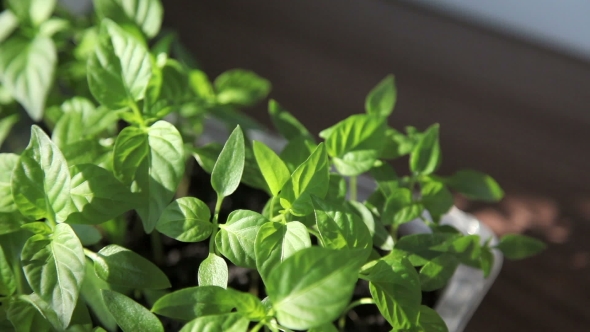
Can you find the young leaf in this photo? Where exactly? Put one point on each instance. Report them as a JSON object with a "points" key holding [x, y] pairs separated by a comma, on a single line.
{"points": [[273, 169], [10, 222], [421, 248], [313, 286], [426, 155], [207, 155], [130, 315], [476, 185], [213, 272], [7, 281], [145, 14], [381, 100], [6, 124], [437, 199], [187, 219], [32, 12], [235, 239], [54, 268], [355, 143], [120, 266], [380, 235], [399, 208], [436, 273], [97, 195], [241, 87], [189, 303], [229, 166], [26, 70], [297, 151], [286, 123], [37, 227], [120, 68], [8, 162], [310, 178], [248, 305], [91, 293], [25, 315], [232, 322], [516, 246], [8, 23], [275, 242], [430, 320]]}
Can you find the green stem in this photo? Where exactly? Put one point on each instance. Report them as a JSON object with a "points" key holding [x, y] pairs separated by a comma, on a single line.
{"points": [[257, 326], [215, 224], [313, 232], [352, 305], [352, 184], [138, 114], [91, 254], [157, 249]]}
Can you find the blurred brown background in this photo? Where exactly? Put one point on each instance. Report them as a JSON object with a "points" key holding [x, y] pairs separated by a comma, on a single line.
{"points": [[516, 109]]}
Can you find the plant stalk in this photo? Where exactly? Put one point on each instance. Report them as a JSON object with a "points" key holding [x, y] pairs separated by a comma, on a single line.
{"points": [[215, 225]]}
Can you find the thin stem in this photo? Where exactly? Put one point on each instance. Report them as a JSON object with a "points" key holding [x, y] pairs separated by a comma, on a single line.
{"points": [[215, 224], [313, 232], [352, 187], [157, 249], [91, 254], [257, 326], [352, 305]]}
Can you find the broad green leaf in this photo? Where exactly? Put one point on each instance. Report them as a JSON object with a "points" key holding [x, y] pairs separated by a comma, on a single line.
{"points": [[200, 84], [273, 169], [436, 273], [516, 246], [336, 188], [476, 185], [130, 315], [313, 286], [91, 293], [10, 222], [399, 208], [356, 143], [54, 268], [339, 227], [187, 219], [145, 14], [436, 198], [297, 151], [26, 314], [235, 239], [213, 271], [431, 321], [421, 248], [248, 305], [120, 266], [175, 84], [395, 287], [31, 12], [467, 249], [397, 144], [386, 178], [26, 70], [6, 124], [8, 162], [275, 242], [120, 68], [189, 303], [286, 123], [81, 320], [380, 235], [310, 178], [207, 155], [41, 180], [426, 155], [232, 322], [97, 195], [87, 234], [37, 227], [381, 100], [53, 26], [486, 261], [155, 160], [8, 23], [229, 166], [252, 175], [7, 280], [5, 324], [241, 87]]}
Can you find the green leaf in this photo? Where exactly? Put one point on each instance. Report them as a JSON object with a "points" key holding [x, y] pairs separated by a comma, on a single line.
{"points": [[155, 160], [436, 273], [91, 293], [436, 198], [145, 14], [356, 143], [232, 322], [241, 87], [235, 239], [340, 228], [426, 155], [273, 169], [37, 227], [380, 235], [297, 151], [130, 315], [313, 286], [32, 12], [54, 268], [207, 155], [467, 249], [336, 188], [123, 267], [421, 248], [10, 222], [199, 83], [187, 219], [286, 123], [7, 279], [275, 242], [310, 178], [189, 303], [120, 68], [6, 124], [397, 144], [213, 272], [97, 195], [229, 166], [8, 23], [399, 208], [431, 321], [476, 185], [26, 70], [87, 234], [395, 287], [248, 305], [516, 246], [381, 100], [8, 162], [41, 180], [26, 314]]}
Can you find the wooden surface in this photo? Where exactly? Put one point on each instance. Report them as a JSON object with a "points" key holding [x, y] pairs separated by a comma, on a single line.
{"points": [[514, 110]]}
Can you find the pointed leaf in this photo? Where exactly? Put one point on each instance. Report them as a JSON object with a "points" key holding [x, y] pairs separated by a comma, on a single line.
{"points": [[189, 303], [130, 315], [26, 315], [232, 322], [241, 87], [10, 222], [273, 169], [187, 219], [229, 166], [7, 281], [235, 239], [8, 162], [399, 208], [286, 123], [213, 272], [8, 23], [381, 100], [92, 295], [476, 185], [437, 199], [297, 151], [32, 12], [430, 320], [516, 246], [380, 235], [145, 14], [54, 268], [426, 155], [436, 273]]}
